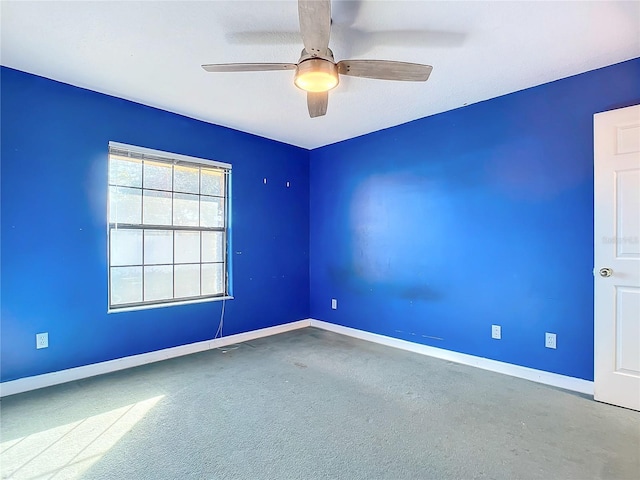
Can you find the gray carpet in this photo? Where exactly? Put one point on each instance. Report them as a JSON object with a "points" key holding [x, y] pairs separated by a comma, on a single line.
{"points": [[310, 404]]}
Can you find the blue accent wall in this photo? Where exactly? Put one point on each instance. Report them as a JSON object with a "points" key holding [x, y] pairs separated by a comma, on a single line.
{"points": [[434, 230], [54, 191]]}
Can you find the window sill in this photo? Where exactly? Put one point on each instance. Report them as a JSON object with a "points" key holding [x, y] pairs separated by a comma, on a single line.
{"points": [[165, 305]]}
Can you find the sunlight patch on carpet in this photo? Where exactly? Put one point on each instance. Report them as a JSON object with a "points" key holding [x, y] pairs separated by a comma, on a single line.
{"points": [[69, 450]]}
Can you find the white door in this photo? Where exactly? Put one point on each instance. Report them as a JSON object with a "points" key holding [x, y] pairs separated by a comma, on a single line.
{"points": [[617, 257]]}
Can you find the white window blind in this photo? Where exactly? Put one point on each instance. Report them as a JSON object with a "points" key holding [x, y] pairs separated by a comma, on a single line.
{"points": [[168, 219]]}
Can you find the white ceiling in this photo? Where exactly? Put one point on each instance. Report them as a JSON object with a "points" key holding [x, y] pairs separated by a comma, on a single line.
{"points": [[151, 51]]}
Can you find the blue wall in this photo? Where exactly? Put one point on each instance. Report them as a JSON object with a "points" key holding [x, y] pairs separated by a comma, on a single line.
{"points": [[54, 272], [433, 230], [429, 232]]}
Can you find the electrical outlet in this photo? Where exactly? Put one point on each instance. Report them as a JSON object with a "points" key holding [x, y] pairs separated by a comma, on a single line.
{"points": [[496, 332], [42, 340], [334, 304], [550, 340]]}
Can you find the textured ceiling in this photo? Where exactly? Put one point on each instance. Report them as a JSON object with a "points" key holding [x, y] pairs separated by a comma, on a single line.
{"points": [[151, 51]]}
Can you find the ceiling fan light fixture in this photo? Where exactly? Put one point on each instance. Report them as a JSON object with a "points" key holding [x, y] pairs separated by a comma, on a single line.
{"points": [[316, 70], [316, 75]]}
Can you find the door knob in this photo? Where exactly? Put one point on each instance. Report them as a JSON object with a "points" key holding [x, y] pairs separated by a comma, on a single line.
{"points": [[606, 272]]}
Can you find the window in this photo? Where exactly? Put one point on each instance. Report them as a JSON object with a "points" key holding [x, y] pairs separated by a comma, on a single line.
{"points": [[168, 228]]}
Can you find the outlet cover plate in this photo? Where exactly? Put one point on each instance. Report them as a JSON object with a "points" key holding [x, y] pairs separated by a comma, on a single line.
{"points": [[42, 340], [496, 332], [550, 340], [334, 304]]}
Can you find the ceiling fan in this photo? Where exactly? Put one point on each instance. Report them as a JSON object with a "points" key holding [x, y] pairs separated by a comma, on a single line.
{"points": [[316, 71]]}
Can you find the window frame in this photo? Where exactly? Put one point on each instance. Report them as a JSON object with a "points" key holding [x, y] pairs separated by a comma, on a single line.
{"points": [[174, 159]]}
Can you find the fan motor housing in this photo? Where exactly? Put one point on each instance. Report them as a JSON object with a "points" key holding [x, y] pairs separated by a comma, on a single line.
{"points": [[316, 75]]}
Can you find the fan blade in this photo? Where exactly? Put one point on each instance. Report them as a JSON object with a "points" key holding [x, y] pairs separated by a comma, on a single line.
{"points": [[385, 70], [317, 103], [248, 67], [315, 25]]}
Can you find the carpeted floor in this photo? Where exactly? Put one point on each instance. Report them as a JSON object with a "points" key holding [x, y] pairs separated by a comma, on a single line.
{"points": [[310, 404]]}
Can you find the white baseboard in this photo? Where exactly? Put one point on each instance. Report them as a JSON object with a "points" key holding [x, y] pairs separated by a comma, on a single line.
{"points": [[540, 376], [54, 378]]}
